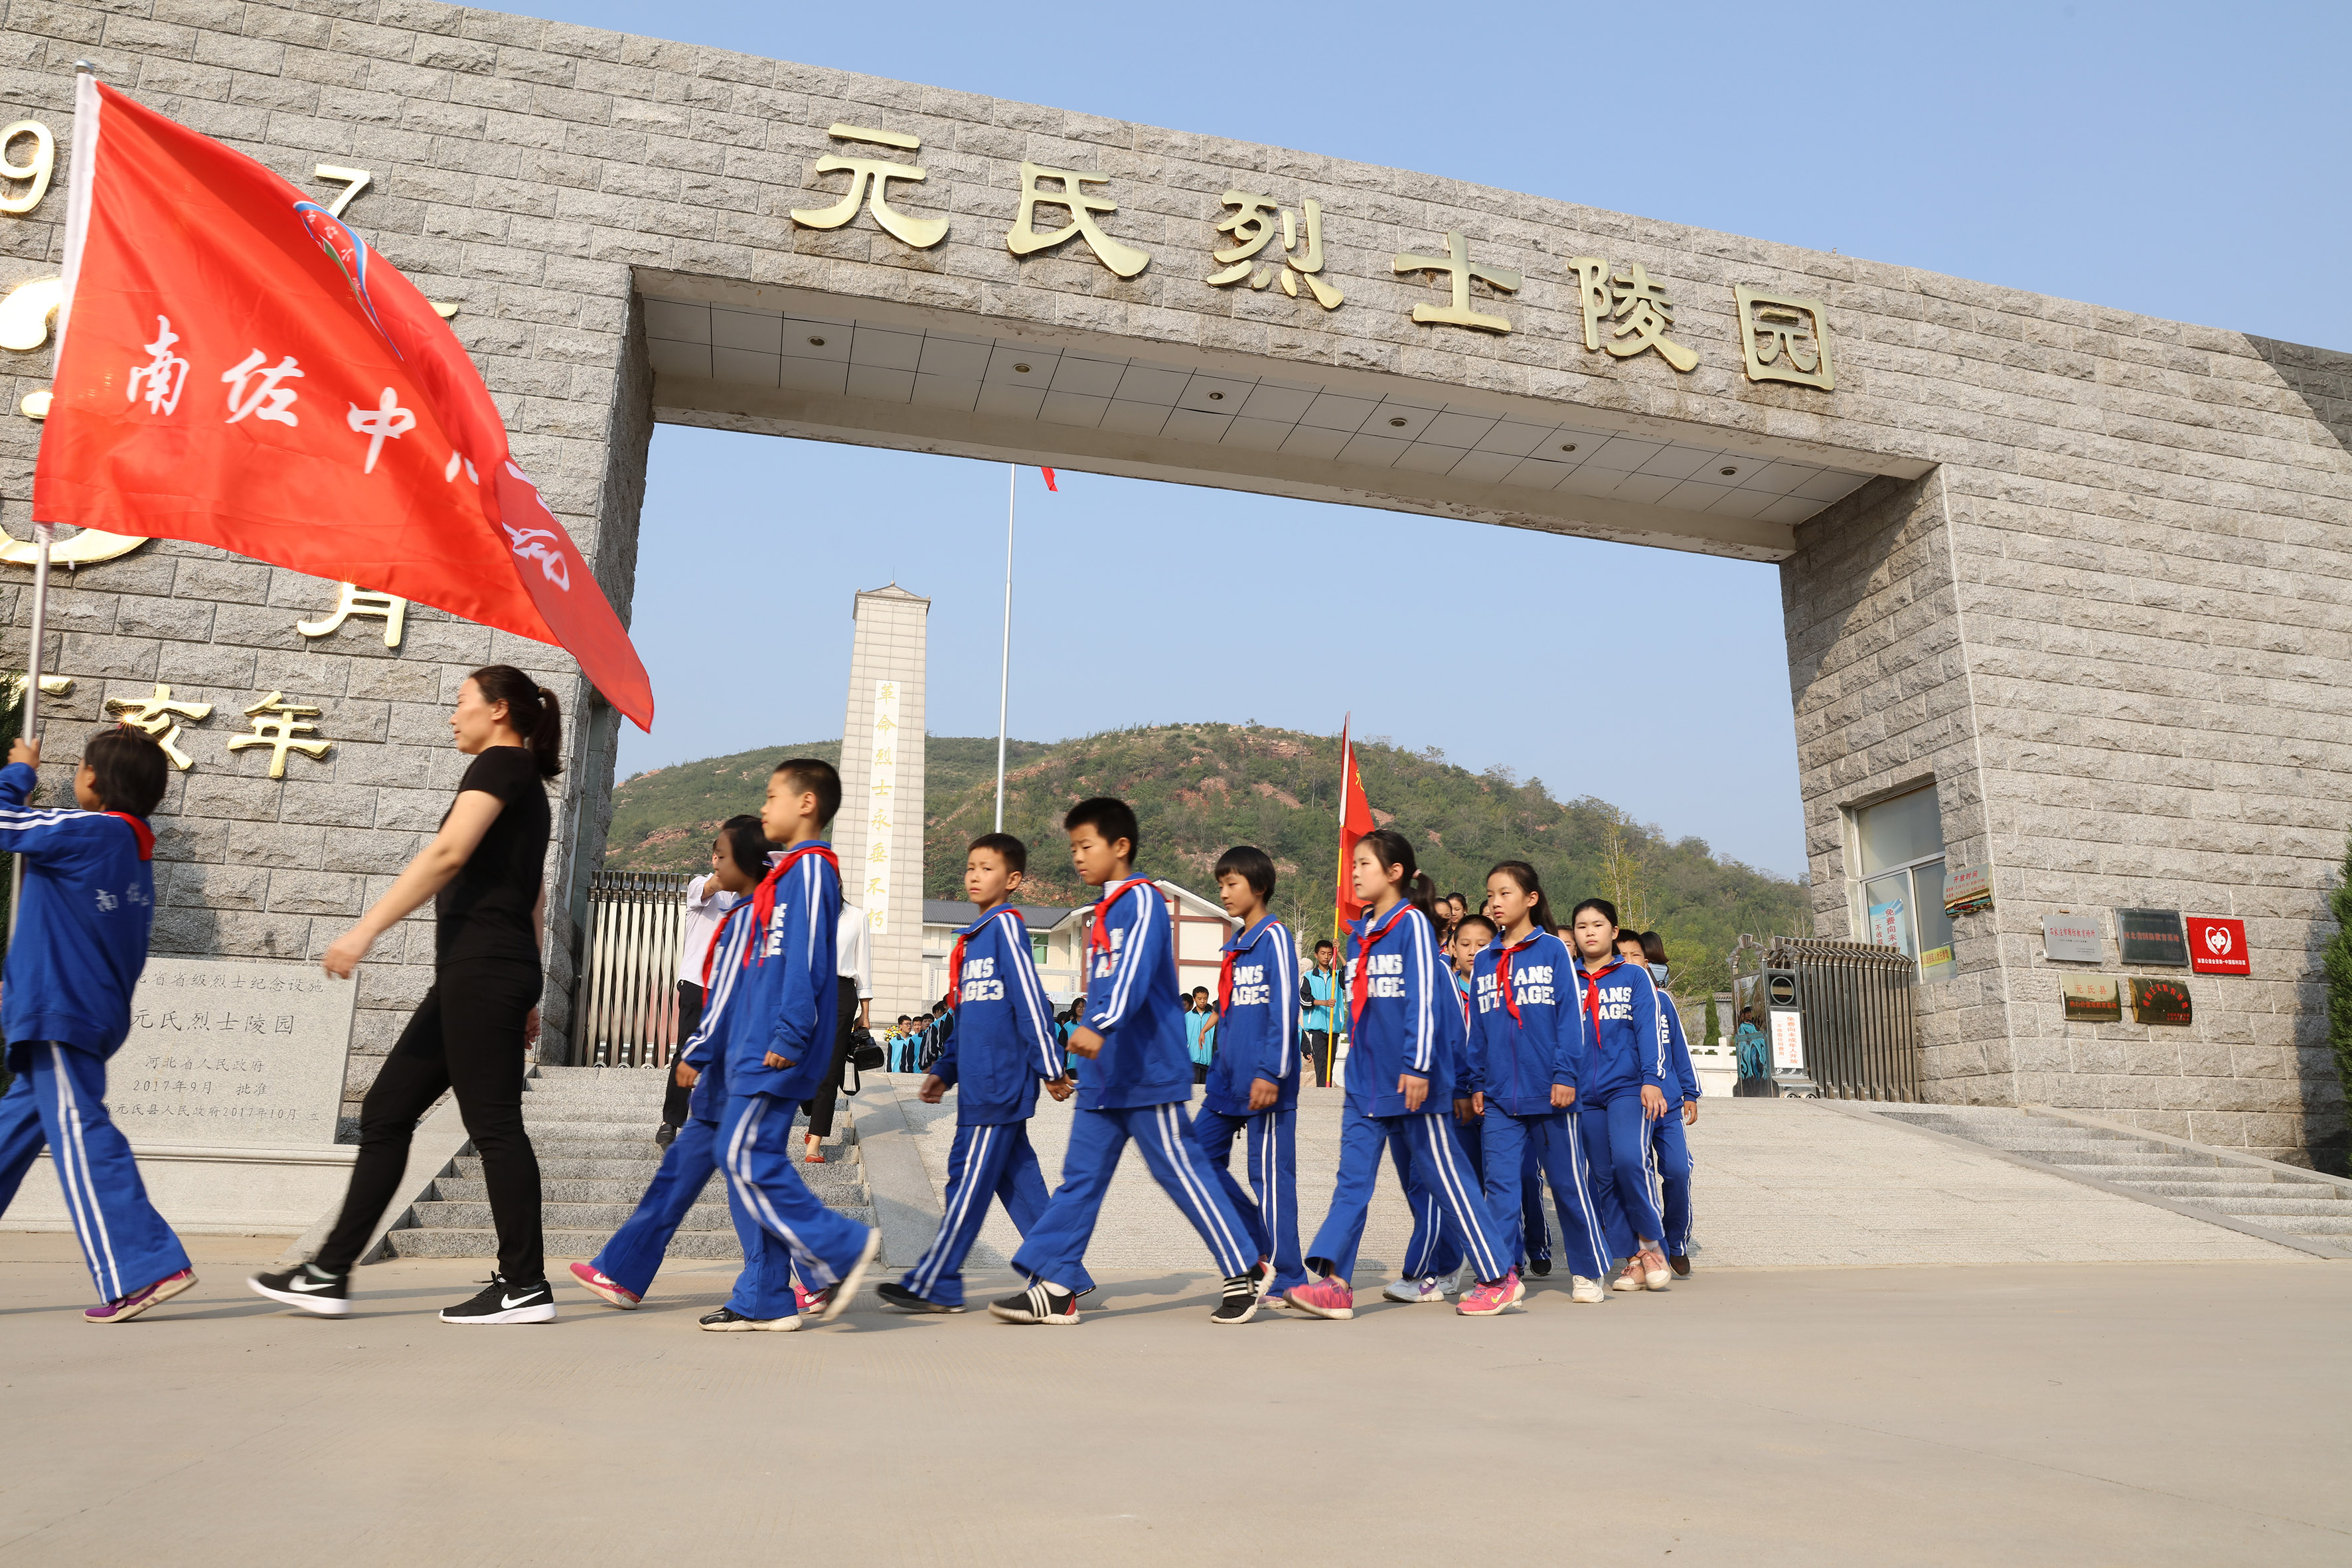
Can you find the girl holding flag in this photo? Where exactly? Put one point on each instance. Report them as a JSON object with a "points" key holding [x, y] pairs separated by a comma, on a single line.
{"points": [[1407, 1029]]}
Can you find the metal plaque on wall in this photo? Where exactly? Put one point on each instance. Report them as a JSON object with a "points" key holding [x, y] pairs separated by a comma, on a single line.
{"points": [[2092, 999], [2152, 937], [2072, 939], [227, 1050], [2160, 1002]]}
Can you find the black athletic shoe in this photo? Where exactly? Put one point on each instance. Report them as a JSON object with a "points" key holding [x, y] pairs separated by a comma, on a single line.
{"points": [[728, 1320], [1680, 1266], [664, 1134], [1041, 1303], [1239, 1304], [1539, 1267], [500, 1302], [894, 1294], [311, 1290]]}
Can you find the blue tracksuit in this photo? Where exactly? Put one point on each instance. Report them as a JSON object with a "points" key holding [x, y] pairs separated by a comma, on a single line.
{"points": [[1622, 1033], [79, 946], [782, 999], [1523, 1042], [1003, 1048], [1669, 1152], [1257, 1037], [1136, 1088], [1406, 1020]]}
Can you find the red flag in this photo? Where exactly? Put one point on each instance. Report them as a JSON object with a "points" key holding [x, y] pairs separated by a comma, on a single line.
{"points": [[237, 367], [1355, 821], [1049, 479]]}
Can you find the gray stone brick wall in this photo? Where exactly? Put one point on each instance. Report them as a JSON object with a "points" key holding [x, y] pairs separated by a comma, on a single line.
{"points": [[2111, 622]]}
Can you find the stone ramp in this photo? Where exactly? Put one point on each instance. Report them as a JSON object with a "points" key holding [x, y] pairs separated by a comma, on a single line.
{"points": [[1779, 1183], [592, 1129], [2285, 1203]]}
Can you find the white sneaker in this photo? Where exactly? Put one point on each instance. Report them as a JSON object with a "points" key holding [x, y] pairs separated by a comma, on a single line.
{"points": [[1421, 1291], [1588, 1292]]}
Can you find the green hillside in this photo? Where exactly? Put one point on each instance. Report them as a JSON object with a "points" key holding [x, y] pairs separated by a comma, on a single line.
{"points": [[1197, 788]]}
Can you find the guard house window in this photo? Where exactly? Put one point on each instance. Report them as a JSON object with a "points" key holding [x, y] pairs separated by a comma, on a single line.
{"points": [[1900, 849]]}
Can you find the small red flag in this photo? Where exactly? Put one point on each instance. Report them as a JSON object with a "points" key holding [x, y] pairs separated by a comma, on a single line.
{"points": [[237, 367], [1049, 479], [1355, 821]]}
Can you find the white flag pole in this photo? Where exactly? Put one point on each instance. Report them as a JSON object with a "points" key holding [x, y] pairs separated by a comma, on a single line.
{"points": [[1005, 666]]}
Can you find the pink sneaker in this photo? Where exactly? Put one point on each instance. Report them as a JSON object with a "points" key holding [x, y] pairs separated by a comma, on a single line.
{"points": [[811, 1300], [138, 1302], [1490, 1301], [598, 1284], [1330, 1297]]}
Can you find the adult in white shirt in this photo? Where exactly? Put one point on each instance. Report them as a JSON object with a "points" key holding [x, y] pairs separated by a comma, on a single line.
{"points": [[739, 859], [855, 963]]}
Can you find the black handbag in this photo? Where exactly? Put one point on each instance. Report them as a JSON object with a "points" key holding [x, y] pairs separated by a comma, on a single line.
{"points": [[865, 1052]]}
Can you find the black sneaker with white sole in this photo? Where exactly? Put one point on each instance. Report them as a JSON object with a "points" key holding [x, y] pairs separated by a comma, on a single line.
{"points": [[500, 1302], [1041, 1303], [1239, 1304], [311, 1290], [728, 1320]]}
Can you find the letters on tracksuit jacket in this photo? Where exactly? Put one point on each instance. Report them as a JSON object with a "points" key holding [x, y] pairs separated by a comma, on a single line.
{"points": [[1257, 1023], [1132, 1003], [1002, 1044], [1411, 1020], [1622, 1032], [786, 999], [1523, 1036], [82, 933]]}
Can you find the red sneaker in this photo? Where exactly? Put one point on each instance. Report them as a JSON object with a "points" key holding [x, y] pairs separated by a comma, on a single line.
{"points": [[1330, 1297], [1492, 1300], [604, 1289]]}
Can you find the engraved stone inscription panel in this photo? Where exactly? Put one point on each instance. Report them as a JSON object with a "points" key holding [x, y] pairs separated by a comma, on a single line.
{"points": [[232, 1051]]}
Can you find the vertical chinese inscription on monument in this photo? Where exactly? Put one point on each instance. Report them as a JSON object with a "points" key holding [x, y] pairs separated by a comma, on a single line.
{"points": [[232, 1051], [881, 805], [1782, 338]]}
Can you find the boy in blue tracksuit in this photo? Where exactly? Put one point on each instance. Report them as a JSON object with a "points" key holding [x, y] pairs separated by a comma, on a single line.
{"points": [[773, 1050], [624, 1271], [1525, 1068], [1254, 1080], [79, 944], [1003, 1048], [1670, 1154], [1405, 1022], [1623, 1083], [1137, 1083]]}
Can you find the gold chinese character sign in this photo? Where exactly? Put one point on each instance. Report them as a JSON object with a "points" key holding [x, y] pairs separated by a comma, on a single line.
{"points": [[1459, 270], [159, 716], [1251, 226], [1783, 337], [277, 723], [922, 233], [1022, 238], [356, 601]]}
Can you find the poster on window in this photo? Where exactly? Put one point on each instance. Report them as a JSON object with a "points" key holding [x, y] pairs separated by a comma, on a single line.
{"points": [[1890, 925]]}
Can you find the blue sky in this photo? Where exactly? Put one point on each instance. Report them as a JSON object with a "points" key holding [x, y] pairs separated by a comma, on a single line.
{"points": [[2175, 161]]}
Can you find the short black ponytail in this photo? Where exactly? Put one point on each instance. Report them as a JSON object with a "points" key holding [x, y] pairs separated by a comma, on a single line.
{"points": [[531, 711]]}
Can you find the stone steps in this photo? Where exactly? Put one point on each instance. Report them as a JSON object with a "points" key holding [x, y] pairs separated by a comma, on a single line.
{"points": [[592, 1129], [2275, 1198]]}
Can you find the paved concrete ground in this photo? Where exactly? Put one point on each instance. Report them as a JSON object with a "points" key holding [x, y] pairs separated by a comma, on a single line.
{"points": [[2003, 1415], [1779, 1183]]}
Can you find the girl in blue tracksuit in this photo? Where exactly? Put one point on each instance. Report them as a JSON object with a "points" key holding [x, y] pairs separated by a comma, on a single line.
{"points": [[1525, 1068], [1406, 1025], [1253, 1082], [1003, 1048], [1623, 1083], [79, 946], [1670, 1154]]}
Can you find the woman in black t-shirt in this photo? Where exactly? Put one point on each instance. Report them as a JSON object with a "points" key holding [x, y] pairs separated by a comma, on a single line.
{"points": [[471, 1033]]}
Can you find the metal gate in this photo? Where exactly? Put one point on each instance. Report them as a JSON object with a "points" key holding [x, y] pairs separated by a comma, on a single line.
{"points": [[625, 1010], [1860, 1003]]}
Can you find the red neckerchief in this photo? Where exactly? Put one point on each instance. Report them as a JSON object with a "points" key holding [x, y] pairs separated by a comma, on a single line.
{"points": [[146, 834], [955, 957], [763, 897], [1357, 986], [1098, 939], [1588, 987], [1503, 972]]}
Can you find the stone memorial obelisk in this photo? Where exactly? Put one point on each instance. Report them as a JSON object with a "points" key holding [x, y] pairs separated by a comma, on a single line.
{"points": [[880, 834]]}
